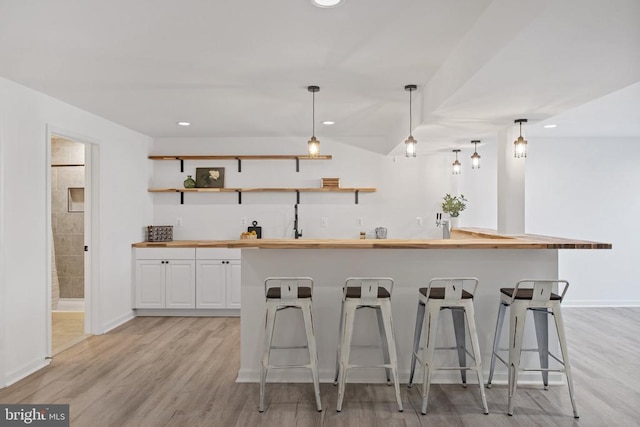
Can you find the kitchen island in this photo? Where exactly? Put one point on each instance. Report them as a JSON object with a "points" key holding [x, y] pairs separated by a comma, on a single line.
{"points": [[497, 261]]}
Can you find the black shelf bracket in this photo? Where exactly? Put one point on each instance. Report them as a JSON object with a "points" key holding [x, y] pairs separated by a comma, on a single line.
{"points": [[357, 192], [239, 164], [297, 197], [239, 196], [181, 165], [297, 164], [182, 198]]}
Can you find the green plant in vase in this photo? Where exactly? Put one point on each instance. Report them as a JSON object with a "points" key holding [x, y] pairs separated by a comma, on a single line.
{"points": [[453, 205]]}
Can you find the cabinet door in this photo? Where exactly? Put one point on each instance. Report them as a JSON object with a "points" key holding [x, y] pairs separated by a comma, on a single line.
{"points": [[233, 283], [150, 284], [210, 284], [180, 284]]}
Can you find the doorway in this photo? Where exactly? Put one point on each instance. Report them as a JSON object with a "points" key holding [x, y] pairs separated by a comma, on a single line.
{"points": [[68, 276]]}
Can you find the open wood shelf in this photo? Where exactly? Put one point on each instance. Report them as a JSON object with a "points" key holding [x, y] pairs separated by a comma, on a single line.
{"points": [[242, 157], [355, 190]]}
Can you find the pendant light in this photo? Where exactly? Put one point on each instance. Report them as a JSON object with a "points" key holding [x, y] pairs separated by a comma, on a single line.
{"points": [[410, 143], [313, 145], [456, 165], [475, 157], [520, 144]]}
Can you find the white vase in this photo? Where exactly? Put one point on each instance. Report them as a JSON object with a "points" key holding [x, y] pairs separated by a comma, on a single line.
{"points": [[454, 221]]}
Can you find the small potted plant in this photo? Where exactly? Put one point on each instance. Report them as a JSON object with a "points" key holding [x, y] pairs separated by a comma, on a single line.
{"points": [[453, 205]]}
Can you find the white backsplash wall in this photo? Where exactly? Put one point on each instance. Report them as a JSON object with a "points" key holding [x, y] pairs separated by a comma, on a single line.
{"points": [[406, 189]]}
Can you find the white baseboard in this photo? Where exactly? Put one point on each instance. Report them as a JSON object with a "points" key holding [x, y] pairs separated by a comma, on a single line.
{"points": [[25, 370], [199, 312], [602, 303], [376, 376], [117, 322]]}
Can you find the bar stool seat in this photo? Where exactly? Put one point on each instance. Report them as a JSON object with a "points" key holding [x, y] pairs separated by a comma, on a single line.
{"points": [[538, 297], [433, 299], [374, 293], [289, 293]]}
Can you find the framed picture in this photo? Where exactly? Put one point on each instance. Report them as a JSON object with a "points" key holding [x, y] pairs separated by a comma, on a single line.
{"points": [[209, 177]]}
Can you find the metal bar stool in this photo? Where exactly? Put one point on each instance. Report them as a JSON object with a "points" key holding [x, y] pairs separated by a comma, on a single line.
{"points": [[441, 294], [537, 296], [283, 293], [375, 293]]}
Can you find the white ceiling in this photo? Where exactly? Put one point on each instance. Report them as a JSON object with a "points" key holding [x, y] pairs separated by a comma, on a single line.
{"points": [[241, 68]]}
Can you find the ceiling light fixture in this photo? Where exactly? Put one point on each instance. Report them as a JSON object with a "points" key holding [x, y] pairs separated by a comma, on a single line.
{"points": [[184, 124], [520, 144], [410, 143], [456, 165], [313, 145], [326, 3], [328, 122], [475, 157], [550, 126]]}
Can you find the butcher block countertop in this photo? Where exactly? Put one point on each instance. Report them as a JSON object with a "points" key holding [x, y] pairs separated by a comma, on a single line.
{"points": [[463, 238]]}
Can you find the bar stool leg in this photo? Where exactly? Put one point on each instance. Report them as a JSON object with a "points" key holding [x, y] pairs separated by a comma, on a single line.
{"points": [[541, 321], [417, 332], [340, 332], [457, 315], [384, 344], [270, 321], [431, 328], [565, 357], [475, 345], [345, 349], [313, 353], [502, 308], [385, 308], [516, 334]]}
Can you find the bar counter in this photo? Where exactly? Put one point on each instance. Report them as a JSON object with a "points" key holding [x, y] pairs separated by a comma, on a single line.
{"points": [[496, 260]]}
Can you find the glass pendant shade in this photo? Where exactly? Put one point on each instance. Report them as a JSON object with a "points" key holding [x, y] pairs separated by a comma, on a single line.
{"points": [[456, 166], [520, 144], [410, 146], [314, 147], [475, 157]]}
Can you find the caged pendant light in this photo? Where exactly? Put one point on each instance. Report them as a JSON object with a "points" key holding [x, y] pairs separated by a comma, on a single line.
{"points": [[475, 157], [520, 144], [410, 142], [314, 144], [456, 165]]}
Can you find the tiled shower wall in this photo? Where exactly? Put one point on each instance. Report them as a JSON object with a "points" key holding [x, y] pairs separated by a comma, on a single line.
{"points": [[68, 227]]}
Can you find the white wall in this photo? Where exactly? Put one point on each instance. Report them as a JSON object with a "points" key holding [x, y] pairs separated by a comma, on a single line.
{"points": [[587, 189], [407, 189], [124, 207]]}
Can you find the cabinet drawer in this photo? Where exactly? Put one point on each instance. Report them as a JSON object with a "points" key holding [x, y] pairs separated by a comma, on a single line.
{"points": [[217, 253], [165, 253]]}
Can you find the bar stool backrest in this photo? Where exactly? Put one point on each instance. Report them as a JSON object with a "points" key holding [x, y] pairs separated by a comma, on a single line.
{"points": [[369, 286], [542, 289], [453, 286], [288, 286]]}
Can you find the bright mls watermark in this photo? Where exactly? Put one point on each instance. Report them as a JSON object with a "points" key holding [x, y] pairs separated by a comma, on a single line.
{"points": [[34, 415]]}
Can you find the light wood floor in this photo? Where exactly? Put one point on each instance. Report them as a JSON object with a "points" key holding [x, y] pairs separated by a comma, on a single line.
{"points": [[67, 329], [157, 371]]}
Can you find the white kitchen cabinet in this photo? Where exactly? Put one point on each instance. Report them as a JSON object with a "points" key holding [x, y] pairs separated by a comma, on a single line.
{"points": [[165, 278], [218, 278]]}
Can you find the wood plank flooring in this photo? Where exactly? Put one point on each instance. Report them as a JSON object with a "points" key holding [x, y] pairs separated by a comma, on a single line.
{"points": [[157, 371]]}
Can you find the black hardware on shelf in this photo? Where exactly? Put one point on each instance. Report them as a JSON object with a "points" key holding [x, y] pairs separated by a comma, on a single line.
{"points": [[181, 165], [239, 164], [182, 198], [357, 191], [298, 197], [239, 197], [297, 164]]}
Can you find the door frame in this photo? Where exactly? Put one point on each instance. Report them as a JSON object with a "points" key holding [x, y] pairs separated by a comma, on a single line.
{"points": [[91, 230]]}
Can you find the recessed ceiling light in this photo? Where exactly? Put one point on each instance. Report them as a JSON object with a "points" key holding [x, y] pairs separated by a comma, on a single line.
{"points": [[328, 122], [184, 124], [326, 3], [550, 126]]}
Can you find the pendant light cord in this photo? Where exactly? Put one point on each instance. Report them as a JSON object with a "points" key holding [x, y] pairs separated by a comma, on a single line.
{"points": [[313, 118], [410, 114]]}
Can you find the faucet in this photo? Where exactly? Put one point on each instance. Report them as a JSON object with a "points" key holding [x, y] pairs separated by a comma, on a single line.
{"points": [[296, 234], [445, 224]]}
